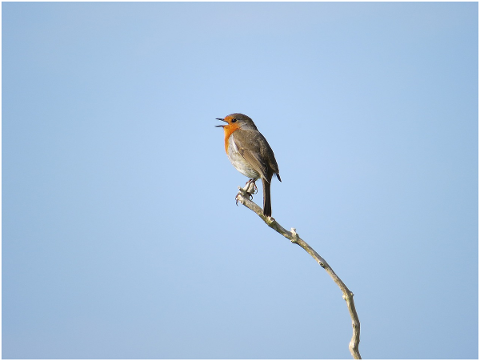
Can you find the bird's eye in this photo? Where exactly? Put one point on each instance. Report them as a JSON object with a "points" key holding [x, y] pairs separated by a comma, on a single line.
{"points": [[234, 120]]}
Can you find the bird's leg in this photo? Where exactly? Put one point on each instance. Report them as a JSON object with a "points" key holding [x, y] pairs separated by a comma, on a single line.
{"points": [[251, 187]]}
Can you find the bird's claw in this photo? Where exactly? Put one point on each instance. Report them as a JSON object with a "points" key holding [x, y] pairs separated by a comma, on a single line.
{"points": [[251, 187]]}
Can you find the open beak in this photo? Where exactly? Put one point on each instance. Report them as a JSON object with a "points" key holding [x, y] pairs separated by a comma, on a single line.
{"points": [[223, 120]]}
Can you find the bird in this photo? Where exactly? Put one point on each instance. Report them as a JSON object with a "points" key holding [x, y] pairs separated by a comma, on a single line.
{"points": [[249, 152]]}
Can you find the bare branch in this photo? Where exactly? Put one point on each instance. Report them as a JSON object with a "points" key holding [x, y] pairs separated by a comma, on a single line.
{"points": [[243, 197]]}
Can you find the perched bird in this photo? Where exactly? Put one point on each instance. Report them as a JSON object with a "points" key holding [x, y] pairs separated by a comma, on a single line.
{"points": [[249, 152]]}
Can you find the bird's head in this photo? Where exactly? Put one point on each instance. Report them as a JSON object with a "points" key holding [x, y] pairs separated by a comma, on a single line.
{"points": [[237, 120]]}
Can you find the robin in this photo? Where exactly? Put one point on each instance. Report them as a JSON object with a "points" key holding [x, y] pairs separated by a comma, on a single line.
{"points": [[249, 152]]}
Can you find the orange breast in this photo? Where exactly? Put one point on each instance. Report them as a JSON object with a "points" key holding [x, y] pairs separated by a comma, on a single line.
{"points": [[228, 130]]}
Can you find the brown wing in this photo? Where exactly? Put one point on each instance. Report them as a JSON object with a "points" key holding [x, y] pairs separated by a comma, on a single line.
{"points": [[253, 146]]}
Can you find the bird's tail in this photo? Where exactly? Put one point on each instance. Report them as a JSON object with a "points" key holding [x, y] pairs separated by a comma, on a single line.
{"points": [[267, 206]]}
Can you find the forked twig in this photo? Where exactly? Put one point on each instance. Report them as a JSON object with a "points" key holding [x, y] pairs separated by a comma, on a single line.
{"points": [[243, 197]]}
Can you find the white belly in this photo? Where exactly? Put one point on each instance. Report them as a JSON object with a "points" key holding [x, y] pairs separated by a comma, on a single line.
{"points": [[239, 162]]}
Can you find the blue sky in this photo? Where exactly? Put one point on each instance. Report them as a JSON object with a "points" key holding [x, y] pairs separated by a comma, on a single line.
{"points": [[121, 238]]}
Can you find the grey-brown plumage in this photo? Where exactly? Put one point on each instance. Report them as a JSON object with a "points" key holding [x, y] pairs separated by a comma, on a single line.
{"points": [[250, 153]]}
